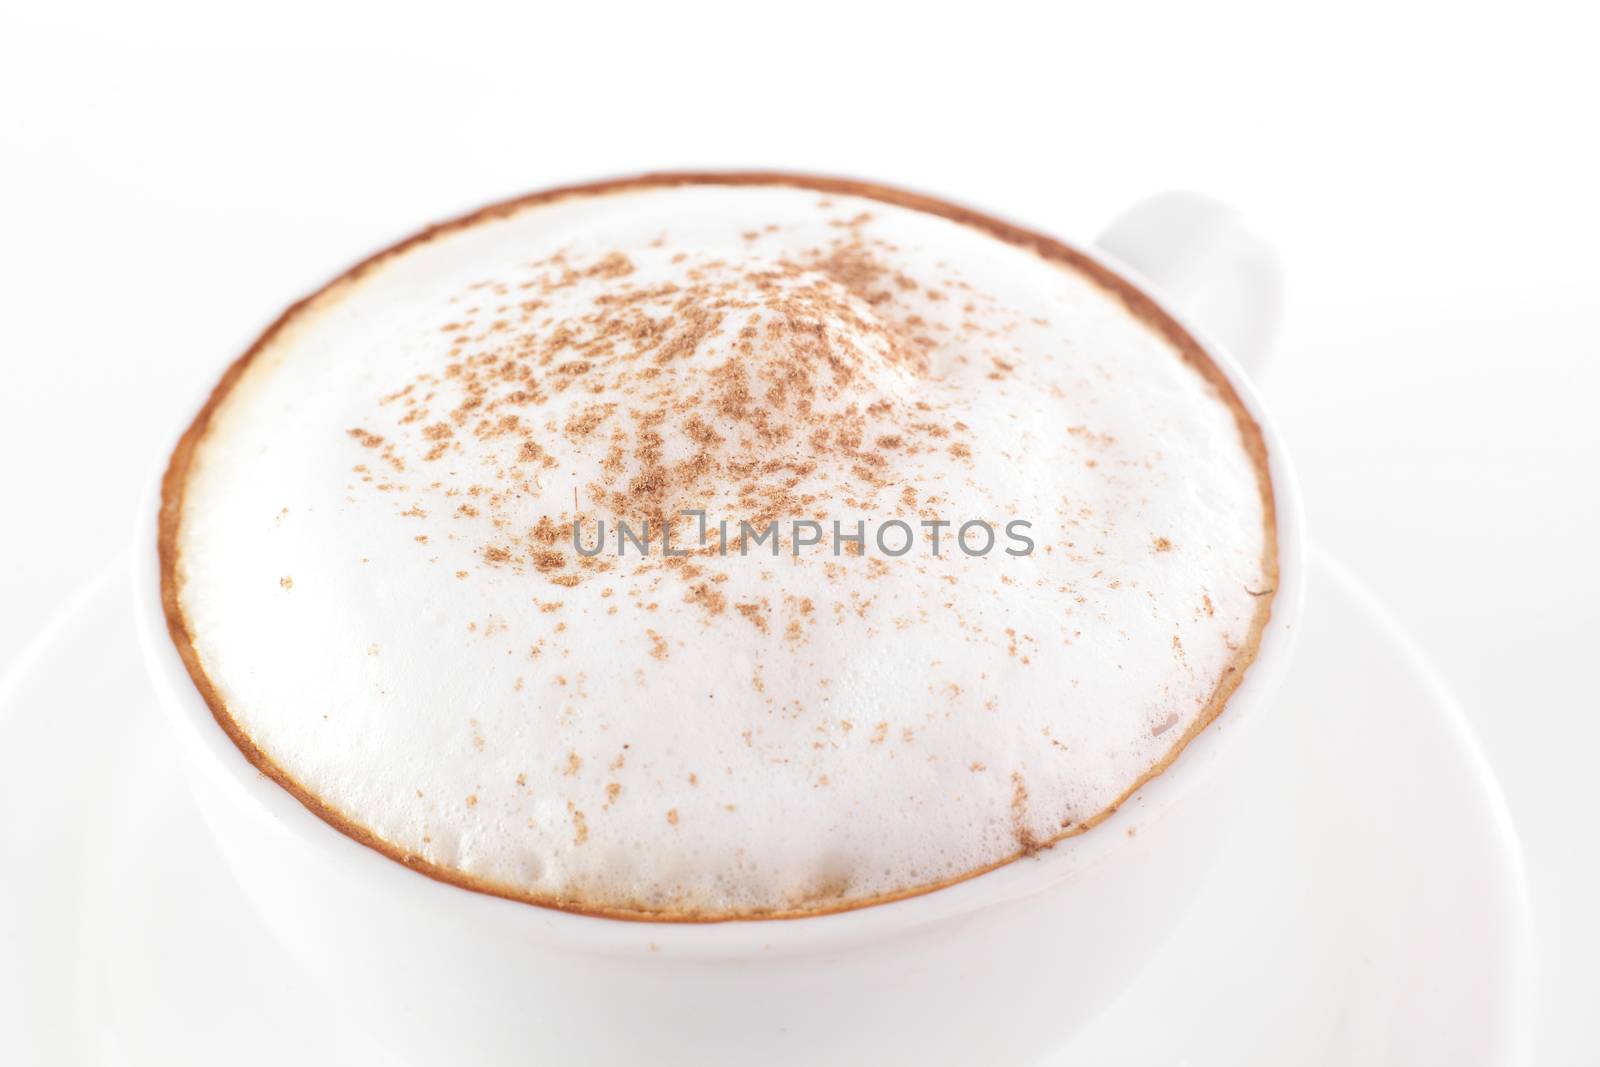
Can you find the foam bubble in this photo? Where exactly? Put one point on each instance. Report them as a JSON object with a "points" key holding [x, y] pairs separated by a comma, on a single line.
{"points": [[376, 563]]}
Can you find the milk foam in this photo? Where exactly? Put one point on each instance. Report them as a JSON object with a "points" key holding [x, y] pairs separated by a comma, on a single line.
{"points": [[376, 567]]}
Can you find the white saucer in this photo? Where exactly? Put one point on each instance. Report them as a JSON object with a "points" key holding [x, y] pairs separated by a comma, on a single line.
{"points": [[1371, 908]]}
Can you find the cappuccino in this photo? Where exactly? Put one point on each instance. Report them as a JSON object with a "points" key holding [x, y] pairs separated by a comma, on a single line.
{"points": [[393, 550]]}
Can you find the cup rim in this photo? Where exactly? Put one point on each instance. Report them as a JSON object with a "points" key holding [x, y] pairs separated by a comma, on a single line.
{"points": [[211, 750]]}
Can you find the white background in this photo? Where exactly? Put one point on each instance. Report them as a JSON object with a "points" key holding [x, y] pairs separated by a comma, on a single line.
{"points": [[172, 178]]}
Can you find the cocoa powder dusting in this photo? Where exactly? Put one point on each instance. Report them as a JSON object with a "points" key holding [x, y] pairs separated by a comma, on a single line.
{"points": [[745, 388]]}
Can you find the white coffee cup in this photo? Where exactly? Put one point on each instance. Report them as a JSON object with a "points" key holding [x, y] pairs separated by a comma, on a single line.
{"points": [[997, 969]]}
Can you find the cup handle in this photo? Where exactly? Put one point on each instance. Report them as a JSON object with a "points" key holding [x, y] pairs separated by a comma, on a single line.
{"points": [[1208, 265]]}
